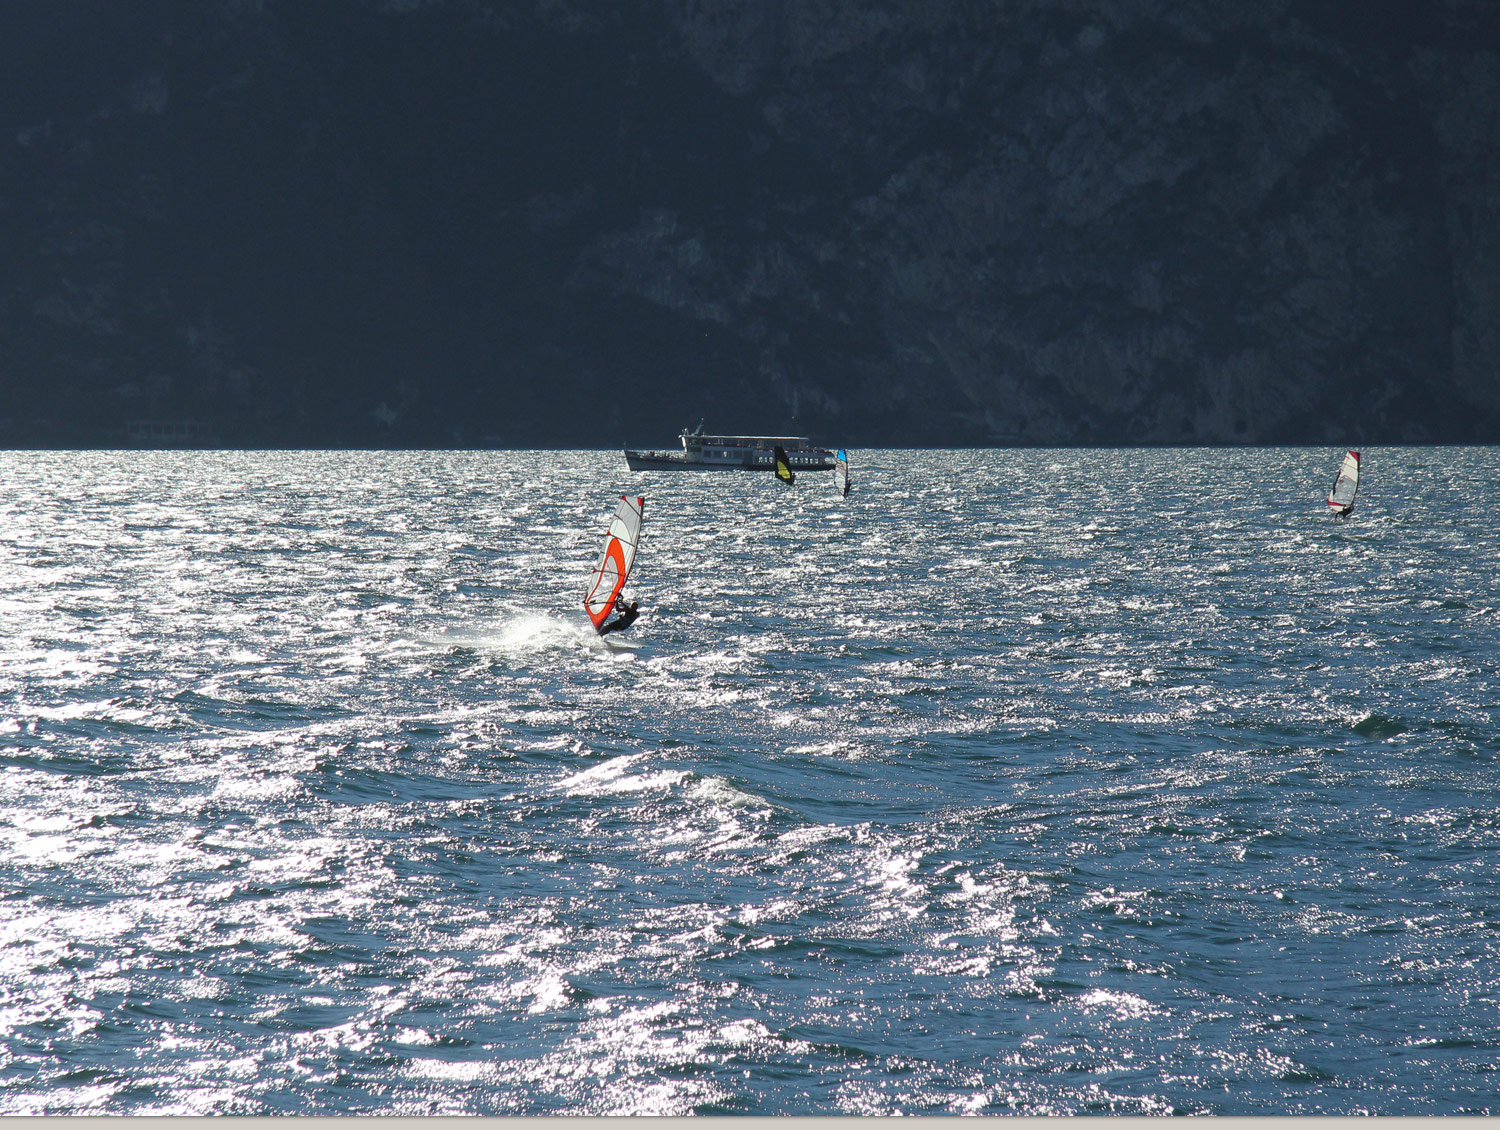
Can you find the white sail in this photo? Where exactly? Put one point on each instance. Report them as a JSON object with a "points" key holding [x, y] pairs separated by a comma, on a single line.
{"points": [[1346, 486], [841, 470], [615, 562]]}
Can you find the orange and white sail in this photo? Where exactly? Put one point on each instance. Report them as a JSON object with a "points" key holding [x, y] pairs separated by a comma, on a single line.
{"points": [[613, 569]]}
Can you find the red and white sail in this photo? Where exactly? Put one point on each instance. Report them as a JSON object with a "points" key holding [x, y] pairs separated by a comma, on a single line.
{"points": [[1346, 486], [613, 568]]}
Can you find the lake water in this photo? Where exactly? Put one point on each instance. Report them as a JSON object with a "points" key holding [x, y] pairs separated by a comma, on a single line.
{"points": [[1034, 781]]}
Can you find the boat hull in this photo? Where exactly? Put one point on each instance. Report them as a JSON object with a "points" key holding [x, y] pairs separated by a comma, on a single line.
{"points": [[672, 461]]}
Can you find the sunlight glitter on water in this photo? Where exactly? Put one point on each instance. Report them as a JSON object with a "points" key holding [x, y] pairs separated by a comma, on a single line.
{"points": [[319, 795]]}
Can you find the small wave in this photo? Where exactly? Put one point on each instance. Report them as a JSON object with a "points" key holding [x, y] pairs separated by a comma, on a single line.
{"points": [[614, 776], [1376, 725], [1123, 1005]]}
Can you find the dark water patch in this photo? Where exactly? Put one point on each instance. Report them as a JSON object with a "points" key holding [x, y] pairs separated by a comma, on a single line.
{"points": [[50, 756], [354, 785], [251, 711], [1377, 725], [108, 729]]}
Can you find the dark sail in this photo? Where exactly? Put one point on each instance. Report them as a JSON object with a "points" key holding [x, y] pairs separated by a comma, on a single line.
{"points": [[783, 468]]}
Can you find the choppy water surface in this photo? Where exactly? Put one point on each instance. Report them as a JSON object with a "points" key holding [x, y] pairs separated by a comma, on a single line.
{"points": [[1033, 781]]}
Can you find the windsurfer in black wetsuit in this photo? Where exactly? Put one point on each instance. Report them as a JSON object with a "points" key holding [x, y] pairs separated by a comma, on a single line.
{"points": [[627, 617]]}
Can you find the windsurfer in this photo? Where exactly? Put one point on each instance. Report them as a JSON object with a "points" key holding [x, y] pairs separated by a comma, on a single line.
{"points": [[628, 614]]}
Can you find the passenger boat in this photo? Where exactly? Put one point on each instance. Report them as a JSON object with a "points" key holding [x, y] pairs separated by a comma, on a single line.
{"points": [[731, 453]]}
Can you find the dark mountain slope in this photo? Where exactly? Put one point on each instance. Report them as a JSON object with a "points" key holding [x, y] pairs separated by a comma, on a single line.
{"points": [[458, 222]]}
